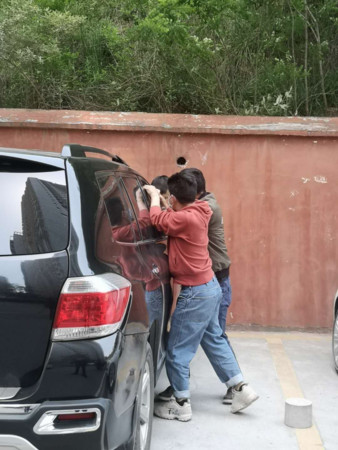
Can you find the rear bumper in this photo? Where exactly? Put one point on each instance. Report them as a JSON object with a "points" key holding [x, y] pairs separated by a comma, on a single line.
{"points": [[8, 441], [33, 427], [109, 382]]}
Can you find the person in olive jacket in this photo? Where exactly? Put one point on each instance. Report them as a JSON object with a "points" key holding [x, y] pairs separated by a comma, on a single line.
{"points": [[218, 253], [217, 247]]}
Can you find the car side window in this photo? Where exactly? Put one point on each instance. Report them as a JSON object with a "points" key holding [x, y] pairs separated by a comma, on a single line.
{"points": [[133, 189], [158, 235], [34, 208], [122, 219]]}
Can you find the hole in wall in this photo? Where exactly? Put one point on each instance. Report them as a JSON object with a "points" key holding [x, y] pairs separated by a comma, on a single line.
{"points": [[181, 161]]}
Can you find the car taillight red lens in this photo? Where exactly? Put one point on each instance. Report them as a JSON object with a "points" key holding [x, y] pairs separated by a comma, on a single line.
{"points": [[91, 307], [79, 416], [91, 310]]}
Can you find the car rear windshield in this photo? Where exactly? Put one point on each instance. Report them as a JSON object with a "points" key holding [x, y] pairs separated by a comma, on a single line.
{"points": [[34, 208]]}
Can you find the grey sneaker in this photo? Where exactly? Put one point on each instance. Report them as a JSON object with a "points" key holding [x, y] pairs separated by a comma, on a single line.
{"points": [[172, 410], [243, 398], [165, 395], [227, 399]]}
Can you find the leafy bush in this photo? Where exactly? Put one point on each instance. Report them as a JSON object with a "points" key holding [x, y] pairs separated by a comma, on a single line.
{"points": [[186, 56]]}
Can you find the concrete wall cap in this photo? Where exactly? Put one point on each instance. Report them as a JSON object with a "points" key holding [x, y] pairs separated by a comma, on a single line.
{"points": [[169, 123]]}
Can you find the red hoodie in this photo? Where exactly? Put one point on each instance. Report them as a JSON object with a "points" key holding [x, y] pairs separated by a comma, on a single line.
{"points": [[189, 261]]}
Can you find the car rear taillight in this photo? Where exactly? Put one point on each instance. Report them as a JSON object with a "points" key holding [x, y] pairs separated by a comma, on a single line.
{"points": [[91, 307], [75, 416]]}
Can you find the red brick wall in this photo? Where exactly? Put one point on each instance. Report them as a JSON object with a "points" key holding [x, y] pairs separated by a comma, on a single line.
{"points": [[275, 179]]}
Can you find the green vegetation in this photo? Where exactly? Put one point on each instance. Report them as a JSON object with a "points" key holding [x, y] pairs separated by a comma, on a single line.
{"points": [[257, 57]]}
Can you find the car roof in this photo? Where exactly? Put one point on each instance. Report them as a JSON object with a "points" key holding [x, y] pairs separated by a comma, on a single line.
{"points": [[57, 159], [49, 158]]}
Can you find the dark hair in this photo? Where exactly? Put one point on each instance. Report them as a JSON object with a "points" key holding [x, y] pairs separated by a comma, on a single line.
{"points": [[183, 186], [161, 183], [199, 177]]}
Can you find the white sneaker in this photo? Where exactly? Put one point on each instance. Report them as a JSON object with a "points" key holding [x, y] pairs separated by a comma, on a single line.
{"points": [[243, 398], [229, 395], [172, 410]]}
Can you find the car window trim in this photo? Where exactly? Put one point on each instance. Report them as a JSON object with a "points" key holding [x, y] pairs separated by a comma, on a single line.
{"points": [[51, 161]]}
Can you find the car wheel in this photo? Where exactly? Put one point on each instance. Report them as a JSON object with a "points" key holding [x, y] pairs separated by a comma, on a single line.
{"points": [[145, 404], [335, 342]]}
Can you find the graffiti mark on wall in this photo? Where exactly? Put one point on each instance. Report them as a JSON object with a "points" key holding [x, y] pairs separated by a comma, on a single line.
{"points": [[320, 179], [316, 178], [293, 193], [204, 157]]}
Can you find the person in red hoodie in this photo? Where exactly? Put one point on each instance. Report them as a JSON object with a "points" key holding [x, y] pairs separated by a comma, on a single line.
{"points": [[195, 318]]}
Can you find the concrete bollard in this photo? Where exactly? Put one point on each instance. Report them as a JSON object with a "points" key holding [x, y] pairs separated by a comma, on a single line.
{"points": [[298, 413]]}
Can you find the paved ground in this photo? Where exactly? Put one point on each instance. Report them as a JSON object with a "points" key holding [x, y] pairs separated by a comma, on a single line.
{"points": [[279, 366]]}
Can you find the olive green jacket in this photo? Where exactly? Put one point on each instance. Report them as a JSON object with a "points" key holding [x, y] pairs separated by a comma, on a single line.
{"points": [[217, 248]]}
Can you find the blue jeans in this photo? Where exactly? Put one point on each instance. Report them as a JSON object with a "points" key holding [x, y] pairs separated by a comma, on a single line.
{"points": [[155, 302], [223, 308], [225, 302], [194, 322]]}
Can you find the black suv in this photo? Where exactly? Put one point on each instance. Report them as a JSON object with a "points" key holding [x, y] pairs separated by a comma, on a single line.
{"points": [[84, 296]]}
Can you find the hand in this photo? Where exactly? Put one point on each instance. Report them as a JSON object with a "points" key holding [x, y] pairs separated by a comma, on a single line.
{"points": [[154, 194], [139, 200], [152, 190], [164, 202]]}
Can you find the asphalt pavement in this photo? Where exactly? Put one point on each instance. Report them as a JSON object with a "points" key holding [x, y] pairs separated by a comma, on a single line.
{"points": [[278, 366]]}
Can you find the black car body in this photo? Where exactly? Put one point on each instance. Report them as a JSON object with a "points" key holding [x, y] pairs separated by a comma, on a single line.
{"points": [[335, 332], [84, 296]]}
